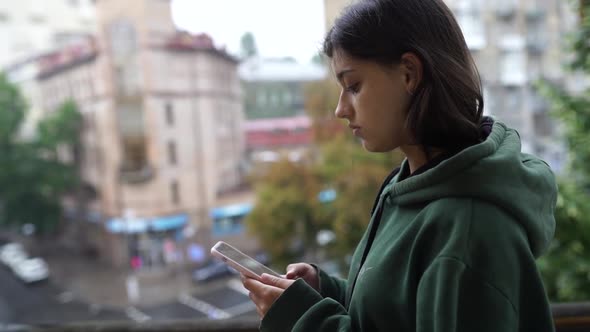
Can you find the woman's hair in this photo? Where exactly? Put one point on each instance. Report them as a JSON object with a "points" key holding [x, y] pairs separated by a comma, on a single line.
{"points": [[446, 108]]}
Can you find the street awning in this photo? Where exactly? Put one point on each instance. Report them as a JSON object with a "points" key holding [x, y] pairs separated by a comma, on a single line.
{"points": [[131, 226], [169, 222], [142, 225], [228, 211]]}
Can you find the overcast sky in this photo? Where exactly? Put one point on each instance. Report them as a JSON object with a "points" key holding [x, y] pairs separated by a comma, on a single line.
{"points": [[280, 27]]}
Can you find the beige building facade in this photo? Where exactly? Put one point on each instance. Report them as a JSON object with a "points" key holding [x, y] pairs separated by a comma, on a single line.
{"points": [[163, 142]]}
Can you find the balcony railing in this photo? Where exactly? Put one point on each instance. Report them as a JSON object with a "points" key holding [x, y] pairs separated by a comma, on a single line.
{"points": [[569, 317]]}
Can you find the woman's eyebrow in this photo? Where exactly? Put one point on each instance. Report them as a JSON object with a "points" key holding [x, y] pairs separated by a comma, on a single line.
{"points": [[341, 74]]}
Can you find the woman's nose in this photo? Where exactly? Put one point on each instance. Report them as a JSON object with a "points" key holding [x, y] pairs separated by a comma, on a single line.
{"points": [[342, 109]]}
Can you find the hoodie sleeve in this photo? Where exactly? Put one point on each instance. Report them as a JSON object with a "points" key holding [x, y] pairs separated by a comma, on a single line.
{"points": [[452, 298], [301, 309], [332, 287]]}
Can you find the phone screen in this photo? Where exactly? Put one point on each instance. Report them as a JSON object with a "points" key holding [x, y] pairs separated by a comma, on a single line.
{"points": [[244, 260]]}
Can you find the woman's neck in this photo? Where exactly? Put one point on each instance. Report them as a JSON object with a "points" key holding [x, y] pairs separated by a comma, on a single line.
{"points": [[417, 156]]}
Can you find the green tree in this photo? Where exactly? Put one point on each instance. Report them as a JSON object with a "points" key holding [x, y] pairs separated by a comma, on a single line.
{"points": [[288, 214], [318, 59], [321, 98], [356, 176], [565, 268], [33, 178], [248, 45]]}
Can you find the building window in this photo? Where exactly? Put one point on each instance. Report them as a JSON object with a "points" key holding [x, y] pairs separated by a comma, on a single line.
{"points": [[4, 17], [274, 99], [513, 68], [169, 114], [490, 100], [469, 17], [174, 192], [172, 153], [287, 98], [89, 123], [261, 98], [506, 9], [38, 19], [513, 100]]}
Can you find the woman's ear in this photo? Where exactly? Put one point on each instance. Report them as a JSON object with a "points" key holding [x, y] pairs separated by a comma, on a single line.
{"points": [[412, 71]]}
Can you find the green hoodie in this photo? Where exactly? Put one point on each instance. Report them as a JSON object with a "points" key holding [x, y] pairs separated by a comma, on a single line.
{"points": [[454, 250]]}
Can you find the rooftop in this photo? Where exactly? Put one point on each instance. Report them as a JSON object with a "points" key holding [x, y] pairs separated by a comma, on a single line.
{"points": [[86, 51], [280, 70]]}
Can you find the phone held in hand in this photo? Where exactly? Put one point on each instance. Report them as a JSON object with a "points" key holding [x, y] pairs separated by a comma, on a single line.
{"points": [[243, 263]]}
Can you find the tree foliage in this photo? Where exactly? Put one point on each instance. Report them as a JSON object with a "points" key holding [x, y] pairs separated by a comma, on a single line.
{"points": [[33, 178], [288, 214], [565, 268], [321, 98], [356, 175], [248, 45]]}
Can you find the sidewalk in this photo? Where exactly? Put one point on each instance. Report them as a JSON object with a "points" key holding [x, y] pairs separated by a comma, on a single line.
{"points": [[100, 284]]}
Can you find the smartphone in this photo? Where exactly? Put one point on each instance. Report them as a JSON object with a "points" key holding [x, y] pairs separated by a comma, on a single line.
{"points": [[240, 261]]}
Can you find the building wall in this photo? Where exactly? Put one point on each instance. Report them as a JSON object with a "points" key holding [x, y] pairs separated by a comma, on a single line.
{"points": [[85, 84], [30, 27], [190, 119], [273, 99], [152, 19], [516, 43], [275, 88]]}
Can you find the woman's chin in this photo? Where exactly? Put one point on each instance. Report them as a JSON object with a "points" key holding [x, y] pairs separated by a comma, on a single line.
{"points": [[371, 147], [368, 146]]}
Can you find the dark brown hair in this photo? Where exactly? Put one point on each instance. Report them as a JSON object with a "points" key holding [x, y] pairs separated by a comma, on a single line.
{"points": [[447, 106]]}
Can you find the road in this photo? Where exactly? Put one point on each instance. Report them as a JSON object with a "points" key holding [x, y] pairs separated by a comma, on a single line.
{"points": [[226, 300], [45, 303]]}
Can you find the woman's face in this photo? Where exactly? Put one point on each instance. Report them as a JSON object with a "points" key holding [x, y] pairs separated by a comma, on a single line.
{"points": [[374, 100]]}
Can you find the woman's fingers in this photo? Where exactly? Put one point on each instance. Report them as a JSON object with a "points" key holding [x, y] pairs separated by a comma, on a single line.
{"points": [[264, 295], [276, 282], [297, 270]]}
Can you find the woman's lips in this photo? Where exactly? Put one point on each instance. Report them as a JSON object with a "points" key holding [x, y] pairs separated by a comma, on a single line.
{"points": [[356, 130]]}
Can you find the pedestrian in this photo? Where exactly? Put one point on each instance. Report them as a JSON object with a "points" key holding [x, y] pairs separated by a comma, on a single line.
{"points": [[455, 231]]}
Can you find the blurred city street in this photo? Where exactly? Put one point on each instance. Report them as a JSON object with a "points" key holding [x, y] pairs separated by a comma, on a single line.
{"points": [[82, 290]]}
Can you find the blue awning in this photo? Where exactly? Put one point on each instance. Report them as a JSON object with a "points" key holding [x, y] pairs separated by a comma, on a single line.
{"points": [[228, 211], [168, 223], [142, 225], [119, 225]]}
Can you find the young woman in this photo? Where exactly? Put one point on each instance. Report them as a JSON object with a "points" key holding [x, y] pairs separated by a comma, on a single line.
{"points": [[455, 231]]}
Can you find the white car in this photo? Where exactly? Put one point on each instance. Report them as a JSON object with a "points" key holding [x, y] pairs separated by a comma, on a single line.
{"points": [[12, 254], [31, 270]]}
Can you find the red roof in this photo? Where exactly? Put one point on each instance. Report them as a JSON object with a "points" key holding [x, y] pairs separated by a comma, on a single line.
{"points": [[186, 41], [279, 132]]}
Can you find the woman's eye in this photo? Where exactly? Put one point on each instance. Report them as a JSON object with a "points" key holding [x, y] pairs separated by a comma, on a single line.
{"points": [[353, 88]]}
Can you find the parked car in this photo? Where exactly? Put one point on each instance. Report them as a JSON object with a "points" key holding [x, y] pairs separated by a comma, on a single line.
{"points": [[31, 270], [12, 254], [213, 269]]}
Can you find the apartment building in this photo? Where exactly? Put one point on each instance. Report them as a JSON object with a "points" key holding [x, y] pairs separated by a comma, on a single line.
{"points": [[162, 134]]}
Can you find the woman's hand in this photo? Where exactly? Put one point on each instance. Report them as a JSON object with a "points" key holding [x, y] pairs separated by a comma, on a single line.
{"points": [[265, 292], [305, 272]]}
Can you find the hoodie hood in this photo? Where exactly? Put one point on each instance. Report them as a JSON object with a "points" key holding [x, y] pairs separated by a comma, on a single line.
{"points": [[494, 171]]}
